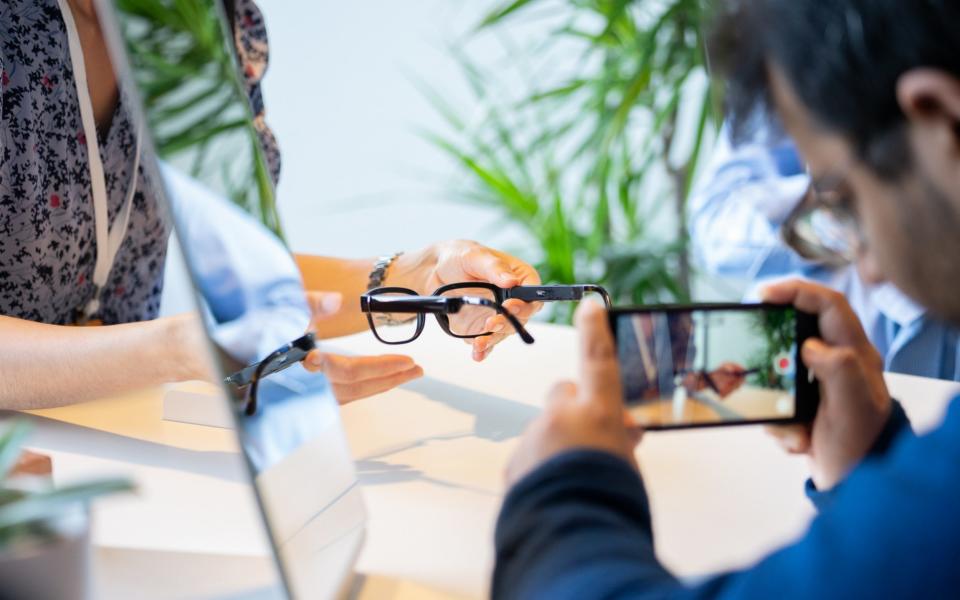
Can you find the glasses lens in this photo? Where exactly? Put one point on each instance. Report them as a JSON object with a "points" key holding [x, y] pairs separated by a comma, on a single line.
{"points": [[471, 321], [831, 234], [394, 327]]}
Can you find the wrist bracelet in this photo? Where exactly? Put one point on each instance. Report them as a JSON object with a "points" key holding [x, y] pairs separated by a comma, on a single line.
{"points": [[379, 272], [377, 277]]}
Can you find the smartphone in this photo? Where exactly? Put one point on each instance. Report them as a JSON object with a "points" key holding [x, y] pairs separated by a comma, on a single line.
{"points": [[709, 365], [282, 358]]}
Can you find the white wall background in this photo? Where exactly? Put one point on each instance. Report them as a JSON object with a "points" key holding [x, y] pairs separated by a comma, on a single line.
{"points": [[358, 180]]}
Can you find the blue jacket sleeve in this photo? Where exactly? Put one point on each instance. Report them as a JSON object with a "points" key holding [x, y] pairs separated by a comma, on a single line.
{"points": [[576, 526], [579, 527]]}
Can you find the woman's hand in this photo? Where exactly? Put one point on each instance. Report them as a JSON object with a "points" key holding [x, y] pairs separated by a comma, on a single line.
{"points": [[355, 377], [459, 261], [358, 377], [854, 401]]}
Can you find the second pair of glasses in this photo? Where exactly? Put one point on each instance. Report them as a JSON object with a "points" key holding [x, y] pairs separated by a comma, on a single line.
{"points": [[463, 310]]}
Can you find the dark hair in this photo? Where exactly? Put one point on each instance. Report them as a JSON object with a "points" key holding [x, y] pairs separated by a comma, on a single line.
{"points": [[843, 59]]}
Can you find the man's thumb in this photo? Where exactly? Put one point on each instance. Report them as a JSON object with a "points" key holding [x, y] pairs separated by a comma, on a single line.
{"points": [[599, 371]]}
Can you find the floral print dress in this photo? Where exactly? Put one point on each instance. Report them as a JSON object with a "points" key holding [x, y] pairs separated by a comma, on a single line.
{"points": [[47, 235]]}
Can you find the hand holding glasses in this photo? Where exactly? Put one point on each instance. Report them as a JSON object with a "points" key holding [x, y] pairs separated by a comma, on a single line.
{"points": [[463, 310]]}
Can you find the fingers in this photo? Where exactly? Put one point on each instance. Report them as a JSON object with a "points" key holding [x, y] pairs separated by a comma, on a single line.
{"points": [[521, 310], [356, 377], [484, 264], [807, 296], [560, 393], [827, 361], [838, 323], [634, 431], [599, 371], [349, 392], [346, 369], [324, 305], [794, 439], [501, 328]]}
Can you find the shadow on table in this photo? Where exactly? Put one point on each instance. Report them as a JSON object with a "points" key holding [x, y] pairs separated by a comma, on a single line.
{"points": [[498, 419], [58, 436], [375, 472]]}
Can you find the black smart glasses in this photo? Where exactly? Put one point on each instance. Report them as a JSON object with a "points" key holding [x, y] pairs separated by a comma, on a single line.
{"points": [[283, 357], [398, 315]]}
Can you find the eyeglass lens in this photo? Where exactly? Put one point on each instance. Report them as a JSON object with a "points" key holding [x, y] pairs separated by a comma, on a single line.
{"points": [[471, 320], [394, 328]]}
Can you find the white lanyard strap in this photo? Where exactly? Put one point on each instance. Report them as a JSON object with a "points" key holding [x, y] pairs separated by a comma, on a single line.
{"points": [[109, 239]]}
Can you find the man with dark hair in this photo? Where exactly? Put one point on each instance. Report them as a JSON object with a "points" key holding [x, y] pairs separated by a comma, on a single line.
{"points": [[870, 92]]}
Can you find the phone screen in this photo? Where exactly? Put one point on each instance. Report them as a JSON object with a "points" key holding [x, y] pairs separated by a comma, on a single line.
{"points": [[714, 365]]}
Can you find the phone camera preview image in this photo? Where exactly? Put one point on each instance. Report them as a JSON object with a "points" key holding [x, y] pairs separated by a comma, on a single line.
{"points": [[718, 365]]}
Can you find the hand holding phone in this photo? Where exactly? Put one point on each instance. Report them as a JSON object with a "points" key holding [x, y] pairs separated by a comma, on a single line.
{"points": [[855, 403]]}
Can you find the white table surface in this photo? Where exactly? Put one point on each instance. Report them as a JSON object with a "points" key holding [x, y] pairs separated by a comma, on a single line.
{"points": [[430, 458]]}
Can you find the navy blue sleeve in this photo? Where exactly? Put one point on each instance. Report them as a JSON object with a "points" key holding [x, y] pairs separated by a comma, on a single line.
{"points": [[579, 527], [565, 526], [898, 423]]}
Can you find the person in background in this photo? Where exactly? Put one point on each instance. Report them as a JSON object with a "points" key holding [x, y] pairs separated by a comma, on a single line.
{"points": [[83, 236], [870, 92], [746, 194]]}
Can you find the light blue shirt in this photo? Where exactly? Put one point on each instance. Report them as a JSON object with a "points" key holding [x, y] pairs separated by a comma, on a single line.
{"points": [[736, 211], [249, 284], [254, 301]]}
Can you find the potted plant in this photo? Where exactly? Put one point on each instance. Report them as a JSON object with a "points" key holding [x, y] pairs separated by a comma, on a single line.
{"points": [[44, 530], [587, 135]]}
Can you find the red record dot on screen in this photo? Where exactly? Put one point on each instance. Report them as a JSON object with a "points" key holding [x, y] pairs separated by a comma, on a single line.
{"points": [[783, 363]]}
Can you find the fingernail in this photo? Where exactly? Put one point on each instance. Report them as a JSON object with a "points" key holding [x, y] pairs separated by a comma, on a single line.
{"points": [[499, 327], [316, 359], [331, 303]]}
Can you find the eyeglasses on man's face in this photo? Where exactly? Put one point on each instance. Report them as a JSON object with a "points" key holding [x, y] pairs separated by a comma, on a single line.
{"points": [[463, 310], [824, 226]]}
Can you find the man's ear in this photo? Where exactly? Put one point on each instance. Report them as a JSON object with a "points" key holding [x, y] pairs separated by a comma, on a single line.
{"points": [[931, 98]]}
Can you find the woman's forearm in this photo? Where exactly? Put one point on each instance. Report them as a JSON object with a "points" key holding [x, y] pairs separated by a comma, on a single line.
{"points": [[350, 277], [44, 366]]}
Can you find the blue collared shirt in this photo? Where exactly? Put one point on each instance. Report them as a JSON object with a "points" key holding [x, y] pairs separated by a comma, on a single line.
{"points": [[736, 212], [251, 289], [253, 300]]}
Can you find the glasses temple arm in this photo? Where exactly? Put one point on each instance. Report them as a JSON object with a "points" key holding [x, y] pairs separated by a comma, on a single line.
{"points": [[251, 408], [555, 293], [521, 330], [598, 289]]}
